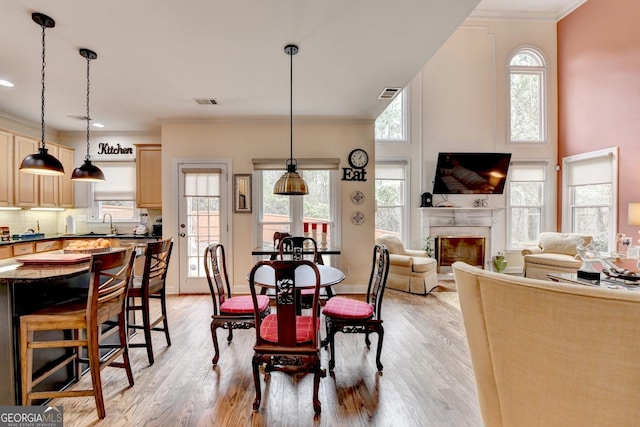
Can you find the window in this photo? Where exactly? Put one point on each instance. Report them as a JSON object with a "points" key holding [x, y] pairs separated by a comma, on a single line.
{"points": [[527, 96], [289, 213], [117, 194], [391, 197], [391, 125], [526, 200], [590, 189]]}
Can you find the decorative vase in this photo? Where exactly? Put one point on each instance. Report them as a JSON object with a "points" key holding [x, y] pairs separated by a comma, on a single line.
{"points": [[500, 264]]}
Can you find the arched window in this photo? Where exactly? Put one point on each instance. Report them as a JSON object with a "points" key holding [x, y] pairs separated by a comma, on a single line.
{"points": [[527, 96]]}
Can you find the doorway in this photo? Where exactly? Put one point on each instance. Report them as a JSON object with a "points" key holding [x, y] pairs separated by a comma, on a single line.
{"points": [[203, 218]]}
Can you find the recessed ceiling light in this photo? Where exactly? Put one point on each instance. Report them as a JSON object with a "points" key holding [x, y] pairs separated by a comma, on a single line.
{"points": [[97, 125], [6, 83]]}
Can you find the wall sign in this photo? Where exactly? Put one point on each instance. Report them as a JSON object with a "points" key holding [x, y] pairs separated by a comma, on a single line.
{"points": [[106, 148], [358, 159]]}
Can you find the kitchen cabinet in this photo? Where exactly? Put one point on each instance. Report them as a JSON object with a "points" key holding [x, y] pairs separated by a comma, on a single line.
{"points": [[149, 176], [66, 195], [48, 186], [5, 252], [48, 245], [6, 168], [25, 185], [23, 248]]}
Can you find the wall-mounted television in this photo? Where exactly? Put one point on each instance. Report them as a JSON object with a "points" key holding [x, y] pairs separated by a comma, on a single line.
{"points": [[471, 173]]}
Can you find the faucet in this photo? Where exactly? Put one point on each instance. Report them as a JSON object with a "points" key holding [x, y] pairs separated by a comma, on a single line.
{"points": [[113, 230]]}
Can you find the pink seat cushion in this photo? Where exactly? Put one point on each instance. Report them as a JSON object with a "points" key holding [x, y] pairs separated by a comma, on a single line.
{"points": [[346, 308], [243, 304], [309, 292], [304, 328]]}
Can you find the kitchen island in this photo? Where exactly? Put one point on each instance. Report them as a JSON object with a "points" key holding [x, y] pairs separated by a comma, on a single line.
{"points": [[25, 289]]}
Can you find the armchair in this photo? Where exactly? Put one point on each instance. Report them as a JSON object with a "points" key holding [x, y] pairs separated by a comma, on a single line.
{"points": [[555, 253], [409, 270]]}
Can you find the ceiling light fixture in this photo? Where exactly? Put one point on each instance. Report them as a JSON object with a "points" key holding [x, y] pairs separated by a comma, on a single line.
{"points": [[87, 172], [291, 183], [6, 83], [42, 163]]}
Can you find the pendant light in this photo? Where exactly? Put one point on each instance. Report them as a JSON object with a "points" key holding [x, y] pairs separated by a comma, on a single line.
{"points": [[291, 183], [88, 172], [42, 163]]}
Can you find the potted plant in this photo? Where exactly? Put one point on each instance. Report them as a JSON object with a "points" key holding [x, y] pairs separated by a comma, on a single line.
{"points": [[499, 263], [429, 246]]}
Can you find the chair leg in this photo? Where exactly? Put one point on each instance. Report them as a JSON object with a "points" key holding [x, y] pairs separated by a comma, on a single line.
{"points": [[332, 348], [94, 368], [146, 324], [256, 381], [230, 336], [379, 351], [165, 321], [316, 387], [26, 362], [367, 341], [214, 338], [124, 343]]}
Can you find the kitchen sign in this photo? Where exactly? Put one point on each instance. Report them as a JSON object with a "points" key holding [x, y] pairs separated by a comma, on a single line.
{"points": [[106, 148]]}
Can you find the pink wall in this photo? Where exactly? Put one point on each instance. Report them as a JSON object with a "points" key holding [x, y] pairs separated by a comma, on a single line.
{"points": [[599, 90]]}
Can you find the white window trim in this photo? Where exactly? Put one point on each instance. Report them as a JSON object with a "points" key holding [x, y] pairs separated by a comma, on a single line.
{"points": [[612, 154], [544, 89]]}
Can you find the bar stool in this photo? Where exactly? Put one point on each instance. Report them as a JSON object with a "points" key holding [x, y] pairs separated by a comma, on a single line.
{"points": [[151, 285], [106, 300]]}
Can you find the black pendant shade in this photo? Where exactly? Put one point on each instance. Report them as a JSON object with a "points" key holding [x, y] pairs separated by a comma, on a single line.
{"points": [[291, 183], [88, 172], [42, 163]]}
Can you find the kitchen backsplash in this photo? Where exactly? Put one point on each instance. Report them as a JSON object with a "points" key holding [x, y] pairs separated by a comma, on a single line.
{"points": [[52, 223]]}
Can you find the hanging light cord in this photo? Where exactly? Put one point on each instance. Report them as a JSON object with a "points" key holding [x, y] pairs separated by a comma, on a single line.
{"points": [[291, 107], [88, 157], [42, 81]]}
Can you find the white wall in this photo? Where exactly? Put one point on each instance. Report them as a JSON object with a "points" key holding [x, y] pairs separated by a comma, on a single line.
{"points": [[459, 102], [243, 140]]}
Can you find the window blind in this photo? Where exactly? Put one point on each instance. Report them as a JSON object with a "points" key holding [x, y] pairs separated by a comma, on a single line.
{"points": [[119, 184]]}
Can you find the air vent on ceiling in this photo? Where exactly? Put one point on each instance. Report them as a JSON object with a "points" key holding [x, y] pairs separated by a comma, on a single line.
{"points": [[83, 118], [205, 101], [389, 92]]}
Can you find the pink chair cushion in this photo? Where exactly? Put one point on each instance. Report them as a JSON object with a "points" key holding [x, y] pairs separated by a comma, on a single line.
{"points": [[307, 292], [243, 304], [304, 328], [346, 308]]}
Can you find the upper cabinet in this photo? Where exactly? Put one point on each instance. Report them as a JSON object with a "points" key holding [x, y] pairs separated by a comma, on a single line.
{"points": [[25, 185], [6, 169], [149, 175], [28, 190], [65, 193]]}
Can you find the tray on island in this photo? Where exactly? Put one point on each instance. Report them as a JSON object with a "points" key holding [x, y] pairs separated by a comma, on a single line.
{"points": [[53, 258], [87, 250], [631, 277]]}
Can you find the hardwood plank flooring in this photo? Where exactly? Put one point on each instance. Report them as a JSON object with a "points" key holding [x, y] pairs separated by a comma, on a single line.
{"points": [[427, 378]]}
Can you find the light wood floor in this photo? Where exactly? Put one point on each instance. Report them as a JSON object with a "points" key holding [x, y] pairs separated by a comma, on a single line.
{"points": [[427, 378]]}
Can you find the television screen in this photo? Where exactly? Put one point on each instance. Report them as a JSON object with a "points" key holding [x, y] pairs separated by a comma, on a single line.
{"points": [[471, 173]]}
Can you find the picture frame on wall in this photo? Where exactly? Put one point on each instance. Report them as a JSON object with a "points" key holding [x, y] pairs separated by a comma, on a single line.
{"points": [[242, 193]]}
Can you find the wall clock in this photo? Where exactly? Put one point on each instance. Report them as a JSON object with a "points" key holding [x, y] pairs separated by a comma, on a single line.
{"points": [[358, 158], [357, 218], [357, 197]]}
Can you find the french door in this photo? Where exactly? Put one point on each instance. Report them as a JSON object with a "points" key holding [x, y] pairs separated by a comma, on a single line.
{"points": [[203, 219]]}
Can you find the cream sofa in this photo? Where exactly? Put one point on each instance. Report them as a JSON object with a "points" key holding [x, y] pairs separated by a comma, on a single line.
{"points": [[551, 354], [409, 270], [555, 253]]}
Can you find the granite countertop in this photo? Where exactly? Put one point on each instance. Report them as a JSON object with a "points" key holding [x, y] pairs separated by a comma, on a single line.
{"points": [[82, 236]]}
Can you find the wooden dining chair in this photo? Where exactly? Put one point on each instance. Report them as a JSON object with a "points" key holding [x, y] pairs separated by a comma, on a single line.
{"points": [[286, 341], [151, 285], [105, 301], [351, 316], [229, 312]]}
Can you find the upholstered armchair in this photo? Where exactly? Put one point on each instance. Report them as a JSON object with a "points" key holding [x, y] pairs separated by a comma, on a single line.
{"points": [[555, 253], [550, 354], [410, 270]]}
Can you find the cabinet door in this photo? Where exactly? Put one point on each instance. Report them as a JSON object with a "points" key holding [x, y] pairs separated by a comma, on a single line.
{"points": [[49, 185], [6, 169], [25, 185], [66, 198], [149, 176]]}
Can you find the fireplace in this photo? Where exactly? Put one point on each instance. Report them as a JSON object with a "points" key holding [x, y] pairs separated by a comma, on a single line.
{"points": [[469, 249]]}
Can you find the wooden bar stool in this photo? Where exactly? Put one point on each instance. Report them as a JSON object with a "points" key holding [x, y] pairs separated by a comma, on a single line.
{"points": [[106, 300], [151, 285]]}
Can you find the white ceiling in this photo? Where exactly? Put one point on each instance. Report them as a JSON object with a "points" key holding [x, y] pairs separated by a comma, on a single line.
{"points": [[155, 57]]}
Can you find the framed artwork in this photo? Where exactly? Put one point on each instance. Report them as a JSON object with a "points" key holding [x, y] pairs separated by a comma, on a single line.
{"points": [[242, 193]]}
